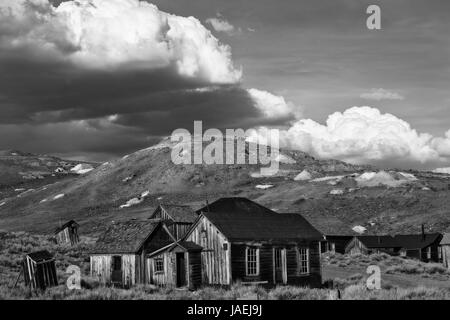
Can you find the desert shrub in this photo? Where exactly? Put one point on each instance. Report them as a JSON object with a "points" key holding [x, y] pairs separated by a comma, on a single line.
{"points": [[298, 293]]}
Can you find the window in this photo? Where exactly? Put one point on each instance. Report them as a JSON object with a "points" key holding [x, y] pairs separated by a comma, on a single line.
{"points": [[304, 260], [158, 264], [252, 261], [429, 253]]}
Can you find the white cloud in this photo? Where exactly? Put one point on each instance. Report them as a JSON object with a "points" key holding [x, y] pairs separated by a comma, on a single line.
{"points": [[381, 94], [364, 135], [221, 25], [273, 106], [442, 170], [117, 33]]}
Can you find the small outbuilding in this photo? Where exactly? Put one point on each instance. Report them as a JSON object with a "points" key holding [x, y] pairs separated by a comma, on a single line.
{"points": [[39, 270], [335, 243], [424, 247], [178, 265], [67, 233], [373, 244], [444, 248], [118, 257]]}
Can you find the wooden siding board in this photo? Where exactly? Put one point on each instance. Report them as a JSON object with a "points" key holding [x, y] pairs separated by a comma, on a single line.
{"points": [[214, 258]]}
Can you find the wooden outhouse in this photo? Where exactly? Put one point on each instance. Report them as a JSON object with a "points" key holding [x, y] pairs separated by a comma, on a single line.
{"points": [[67, 233], [118, 257], [39, 270], [244, 241]]}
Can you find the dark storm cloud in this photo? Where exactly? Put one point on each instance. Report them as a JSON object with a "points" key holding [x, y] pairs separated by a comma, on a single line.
{"points": [[47, 98]]}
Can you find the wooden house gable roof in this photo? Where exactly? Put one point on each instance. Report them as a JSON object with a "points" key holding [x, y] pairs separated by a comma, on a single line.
{"points": [[236, 205], [66, 225], [125, 237], [40, 256], [384, 241], [242, 219], [445, 239], [418, 241], [178, 213]]}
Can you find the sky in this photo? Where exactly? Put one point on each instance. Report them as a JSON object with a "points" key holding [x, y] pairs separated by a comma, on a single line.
{"points": [[98, 79]]}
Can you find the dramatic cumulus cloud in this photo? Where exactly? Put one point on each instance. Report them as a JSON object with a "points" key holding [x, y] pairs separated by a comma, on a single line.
{"points": [[113, 33], [221, 25], [381, 94], [365, 135], [116, 68]]}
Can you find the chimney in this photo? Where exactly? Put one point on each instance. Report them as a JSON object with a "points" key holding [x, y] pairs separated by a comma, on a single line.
{"points": [[423, 232]]}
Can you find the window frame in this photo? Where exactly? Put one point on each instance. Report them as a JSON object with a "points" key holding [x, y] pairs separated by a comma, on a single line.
{"points": [[302, 253], [255, 261], [156, 261]]}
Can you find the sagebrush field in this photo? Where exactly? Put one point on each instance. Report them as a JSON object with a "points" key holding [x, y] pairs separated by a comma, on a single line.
{"points": [[14, 245]]}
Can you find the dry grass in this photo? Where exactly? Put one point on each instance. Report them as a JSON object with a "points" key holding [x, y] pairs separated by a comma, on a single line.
{"points": [[14, 245], [389, 264]]}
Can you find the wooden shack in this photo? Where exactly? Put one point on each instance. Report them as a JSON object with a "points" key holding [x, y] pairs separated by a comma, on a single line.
{"points": [[444, 249], [67, 233], [39, 270], [178, 218], [118, 257], [373, 244], [177, 265], [336, 243], [424, 247], [244, 241]]}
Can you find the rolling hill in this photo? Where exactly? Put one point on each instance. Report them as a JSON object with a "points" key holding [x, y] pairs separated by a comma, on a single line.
{"points": [[333, 195]]}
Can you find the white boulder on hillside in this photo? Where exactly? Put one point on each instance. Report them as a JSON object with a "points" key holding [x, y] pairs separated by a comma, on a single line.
{"points": [[82, 168], [359, 229], [383, 178], [303, 176], [264, 186]]}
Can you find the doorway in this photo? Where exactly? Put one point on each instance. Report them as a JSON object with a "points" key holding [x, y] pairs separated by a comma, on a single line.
{"points": [[116, 274], [280, 274], [181, 269]]}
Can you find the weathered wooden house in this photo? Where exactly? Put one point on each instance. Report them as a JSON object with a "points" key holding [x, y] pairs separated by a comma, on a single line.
{"points": [[67, 233], [335, 243], [240, 240], [118, 257], [39, 270], [177, 265], [373, 244], [444, 247], [424, 247], [178, 218]]}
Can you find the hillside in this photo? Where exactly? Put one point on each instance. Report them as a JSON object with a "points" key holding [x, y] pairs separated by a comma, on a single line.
{"points": [[22, 172], [333, 195]]}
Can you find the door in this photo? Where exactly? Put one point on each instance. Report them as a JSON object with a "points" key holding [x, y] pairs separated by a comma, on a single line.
{"points": [[181, 270], [280, 274], [116, 273]]}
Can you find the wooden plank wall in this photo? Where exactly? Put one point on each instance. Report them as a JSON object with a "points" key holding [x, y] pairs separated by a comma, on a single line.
{"points": [[101, 268], [67, 236], [313, 279], [162, 279], [39, 275], [195, 270], [215, 260], [446, 256]]}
